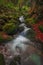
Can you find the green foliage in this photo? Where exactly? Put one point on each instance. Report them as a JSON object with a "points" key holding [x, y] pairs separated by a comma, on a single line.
{"points": [[2, 61], [30, 21], [10, 28], [15, 2], [9, 5], [41, 28], [2, 2], [12, 21], [25, 8], [16, 8]]}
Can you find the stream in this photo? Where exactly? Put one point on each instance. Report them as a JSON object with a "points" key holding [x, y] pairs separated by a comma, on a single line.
{"points": [[21, 46], [20, 42]]}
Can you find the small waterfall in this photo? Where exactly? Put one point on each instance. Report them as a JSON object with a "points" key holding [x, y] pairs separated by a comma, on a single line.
{"points": [[25, 29], [21, 19], [20, 41], [23, 25]]}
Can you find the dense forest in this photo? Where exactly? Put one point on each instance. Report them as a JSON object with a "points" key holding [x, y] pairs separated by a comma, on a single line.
{"points": [[11, 10]]}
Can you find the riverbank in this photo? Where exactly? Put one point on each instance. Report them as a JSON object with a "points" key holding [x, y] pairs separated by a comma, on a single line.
{"points": [[25, 55]]}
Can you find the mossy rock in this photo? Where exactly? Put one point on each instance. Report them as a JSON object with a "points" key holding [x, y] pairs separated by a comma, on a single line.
{"points": [[31, 35], [36, 59]]}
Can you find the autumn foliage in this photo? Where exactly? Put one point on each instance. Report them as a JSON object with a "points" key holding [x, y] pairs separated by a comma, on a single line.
{"points": [[39, 34]]}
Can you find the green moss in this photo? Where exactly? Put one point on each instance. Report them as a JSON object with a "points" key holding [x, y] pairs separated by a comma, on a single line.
{"points": [[41, 28], [10, 28], [36, 59]]}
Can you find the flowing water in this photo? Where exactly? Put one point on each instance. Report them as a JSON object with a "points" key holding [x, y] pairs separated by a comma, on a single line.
{"points": [[20, 41], [20, 45]]}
